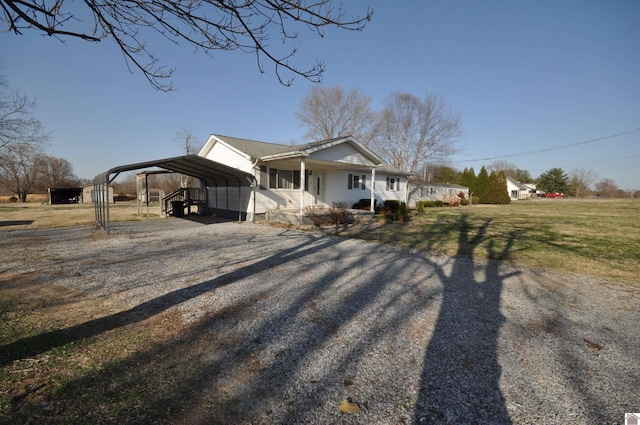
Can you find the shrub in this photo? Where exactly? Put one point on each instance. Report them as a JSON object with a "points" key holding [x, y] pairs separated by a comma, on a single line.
{"points": [[13, 199], [403, 213], [429, 204], [475, 200], [438, 203], [461, 195], [464, 202], [393, 205], [338, 214], [364, 204], [420, 206]]}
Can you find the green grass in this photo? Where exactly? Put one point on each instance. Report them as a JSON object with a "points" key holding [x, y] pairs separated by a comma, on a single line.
{"points": [[592, 237]]}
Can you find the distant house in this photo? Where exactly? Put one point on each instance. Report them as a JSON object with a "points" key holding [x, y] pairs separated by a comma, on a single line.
{"points": [[517, 190], [294, 178], [89, 195], [445, 192]]}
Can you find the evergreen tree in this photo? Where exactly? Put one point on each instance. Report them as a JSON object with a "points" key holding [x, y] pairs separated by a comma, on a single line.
{"points": [[482, 186], [554, 180], [523, 176], [499, 193], [468, 179]]}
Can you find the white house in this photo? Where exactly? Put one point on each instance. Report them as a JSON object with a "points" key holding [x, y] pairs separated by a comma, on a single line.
{"points": [[445, 192], [517, 190], [296, 177]]}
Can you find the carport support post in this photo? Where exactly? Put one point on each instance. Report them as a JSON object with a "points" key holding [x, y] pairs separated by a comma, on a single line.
{"points": [[302, 179]]}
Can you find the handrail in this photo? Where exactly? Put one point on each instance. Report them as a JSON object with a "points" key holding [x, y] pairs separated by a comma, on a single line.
{"points": [[187, 195]]}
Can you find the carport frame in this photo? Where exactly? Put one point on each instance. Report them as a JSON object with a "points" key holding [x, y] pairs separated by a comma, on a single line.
{"points": [[210, 174]]}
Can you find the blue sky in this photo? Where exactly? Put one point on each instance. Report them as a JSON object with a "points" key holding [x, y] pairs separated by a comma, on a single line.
{"points": [[525, 75]]}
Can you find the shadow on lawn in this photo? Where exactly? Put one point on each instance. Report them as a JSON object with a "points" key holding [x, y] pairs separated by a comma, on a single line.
{"points": [[240, 363]]}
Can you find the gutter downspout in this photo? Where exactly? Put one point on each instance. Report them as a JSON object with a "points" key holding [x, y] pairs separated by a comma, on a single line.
{"points": [[302, 182], [373, 193], [253, 191]]}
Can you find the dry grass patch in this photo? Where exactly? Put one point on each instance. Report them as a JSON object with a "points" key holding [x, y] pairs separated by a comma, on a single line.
{"points": [[34, 215]]}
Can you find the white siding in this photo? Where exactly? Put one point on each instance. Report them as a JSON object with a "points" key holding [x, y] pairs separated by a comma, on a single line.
{"points": [[280, 198], [381, 192], [342, 153], [225, 155], [338, 188]]}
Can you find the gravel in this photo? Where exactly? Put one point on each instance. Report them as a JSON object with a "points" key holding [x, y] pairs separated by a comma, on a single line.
{"points": [[408, 336]]}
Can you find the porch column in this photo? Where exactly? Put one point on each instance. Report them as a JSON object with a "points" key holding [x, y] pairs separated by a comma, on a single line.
{"points": [[373, 186], [302, 181]]}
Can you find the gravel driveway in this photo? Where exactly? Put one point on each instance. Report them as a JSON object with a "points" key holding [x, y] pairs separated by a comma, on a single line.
{"points": [[410, 337]]}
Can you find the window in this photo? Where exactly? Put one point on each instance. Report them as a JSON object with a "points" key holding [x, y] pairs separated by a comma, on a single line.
{"points": [[393, 183], [284, 179], [355, 181]]}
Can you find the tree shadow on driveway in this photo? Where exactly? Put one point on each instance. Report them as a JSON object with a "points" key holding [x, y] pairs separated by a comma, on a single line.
{"points": [[38, 344], [341, 319], [461, 372]]}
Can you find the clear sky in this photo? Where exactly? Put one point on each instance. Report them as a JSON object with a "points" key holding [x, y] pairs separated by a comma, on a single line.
{"points": [[527, 76]]}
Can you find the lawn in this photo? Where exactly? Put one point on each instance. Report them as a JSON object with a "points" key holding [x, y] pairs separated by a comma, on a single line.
{"points": [[595, 237], [33, 214]]}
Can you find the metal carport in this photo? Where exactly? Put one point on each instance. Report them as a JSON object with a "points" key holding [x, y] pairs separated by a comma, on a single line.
{"points": [[210, 173]]}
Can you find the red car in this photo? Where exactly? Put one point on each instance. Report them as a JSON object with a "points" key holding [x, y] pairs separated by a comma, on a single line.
{"points": [[553, 195]]}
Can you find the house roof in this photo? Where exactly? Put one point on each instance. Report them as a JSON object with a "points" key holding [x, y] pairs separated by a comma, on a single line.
{"points": [[388, 169], [445, 185], [272, 151], [254, 148], [519, 185]]}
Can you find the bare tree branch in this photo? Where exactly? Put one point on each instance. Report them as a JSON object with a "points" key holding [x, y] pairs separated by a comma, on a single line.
{"points": [[207, 25], [17, 122]]}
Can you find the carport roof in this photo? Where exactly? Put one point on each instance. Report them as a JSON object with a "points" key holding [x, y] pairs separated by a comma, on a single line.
{"points": [[210, 172]]}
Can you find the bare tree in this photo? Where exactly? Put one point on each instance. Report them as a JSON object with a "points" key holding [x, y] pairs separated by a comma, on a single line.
{"points": [[331, 112], [19, 168], [414, 132], [205, 25], [185, 138], [508, 168], [607, 188], [580, 179], [55, 172], [17, 122]]}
